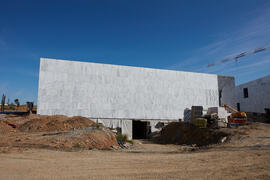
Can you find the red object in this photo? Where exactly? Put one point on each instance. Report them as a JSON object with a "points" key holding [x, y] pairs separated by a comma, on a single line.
{"points": [[239, 121], [12, 125]]}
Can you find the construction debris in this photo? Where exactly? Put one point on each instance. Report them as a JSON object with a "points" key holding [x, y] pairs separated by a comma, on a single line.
{"points": [[54, 123], [196, 112], [214, 117], [55, 132], [185, 133]]}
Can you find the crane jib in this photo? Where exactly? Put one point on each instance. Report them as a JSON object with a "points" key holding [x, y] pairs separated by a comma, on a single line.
{"points": [[240, 55]]}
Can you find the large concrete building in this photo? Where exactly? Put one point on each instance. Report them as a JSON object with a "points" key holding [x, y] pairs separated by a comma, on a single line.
{"points": [[124, 96], [254, 96]]}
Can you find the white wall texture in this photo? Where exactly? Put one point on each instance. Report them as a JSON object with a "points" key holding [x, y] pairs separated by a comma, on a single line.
{"points": [[102, 91], [111, 91], [227, 85], [258, 95]]}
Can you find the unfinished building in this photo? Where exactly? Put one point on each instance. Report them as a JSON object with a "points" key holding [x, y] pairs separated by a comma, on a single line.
{"points": [[133, 99], [254, 96]]}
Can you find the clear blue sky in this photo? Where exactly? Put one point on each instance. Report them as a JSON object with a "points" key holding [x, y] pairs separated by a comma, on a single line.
{"points": [[168, 34]]}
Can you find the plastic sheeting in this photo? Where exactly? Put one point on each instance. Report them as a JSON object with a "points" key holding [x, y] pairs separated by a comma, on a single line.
{"points": [[125, 125], [187, 115]]}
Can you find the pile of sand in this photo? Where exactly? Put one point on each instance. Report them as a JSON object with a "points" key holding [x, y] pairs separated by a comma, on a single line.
{"points": [[99, 139], [189, 134], [5, 126], [54, 132], [54, 123]]}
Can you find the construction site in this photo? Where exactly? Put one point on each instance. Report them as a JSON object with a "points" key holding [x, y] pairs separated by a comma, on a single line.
{"points": [[129, 90], [100, 121]]}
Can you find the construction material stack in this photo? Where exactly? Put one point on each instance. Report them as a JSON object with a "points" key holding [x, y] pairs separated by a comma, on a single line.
{"points": [[214, 117], [201, 122], [187, 115], [196, 112]]}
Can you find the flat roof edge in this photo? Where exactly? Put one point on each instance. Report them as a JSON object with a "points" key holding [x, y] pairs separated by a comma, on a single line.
{"points": [[51, 59], [261, 78]]}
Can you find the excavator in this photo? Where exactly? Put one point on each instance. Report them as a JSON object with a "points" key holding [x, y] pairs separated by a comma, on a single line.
{"points": [[236, 118]]}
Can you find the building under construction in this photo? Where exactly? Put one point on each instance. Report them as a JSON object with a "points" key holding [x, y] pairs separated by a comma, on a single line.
{"points": [[129, 98], [254, 96]]}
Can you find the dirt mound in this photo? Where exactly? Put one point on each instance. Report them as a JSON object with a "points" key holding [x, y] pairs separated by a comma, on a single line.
{"points": [[189, 134], [101, 138], [54, 132], [96, 137], [5, 126], [54, 123]]}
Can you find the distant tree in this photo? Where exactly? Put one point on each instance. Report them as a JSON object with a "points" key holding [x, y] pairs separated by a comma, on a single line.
{"points": [[8, 102], [3, 103], [17, 102]]}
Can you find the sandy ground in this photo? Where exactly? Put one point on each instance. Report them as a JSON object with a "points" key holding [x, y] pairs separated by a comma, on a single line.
{"points": [[53, 132], [246, 156]]}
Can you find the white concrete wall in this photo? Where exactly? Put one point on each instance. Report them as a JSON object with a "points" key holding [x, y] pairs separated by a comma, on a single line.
{"points": [[124, 124], [227, 85], [258, 95], [110, 91]]}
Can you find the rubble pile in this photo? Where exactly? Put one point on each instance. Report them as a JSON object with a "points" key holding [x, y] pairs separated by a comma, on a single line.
{"points": [[55, 132], [188, 134], [5, 127], [55, 123]]}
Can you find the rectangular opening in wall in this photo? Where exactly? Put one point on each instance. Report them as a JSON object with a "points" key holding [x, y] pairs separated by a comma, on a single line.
{"points": [[245, 90], [238, 106], [140, 129], [219, 97]]}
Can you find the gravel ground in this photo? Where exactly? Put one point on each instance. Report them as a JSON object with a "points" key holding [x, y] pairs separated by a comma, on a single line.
{"points": [[245, 156]]}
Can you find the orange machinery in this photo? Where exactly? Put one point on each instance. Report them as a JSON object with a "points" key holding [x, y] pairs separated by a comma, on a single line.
{"points": [[236, 117]]}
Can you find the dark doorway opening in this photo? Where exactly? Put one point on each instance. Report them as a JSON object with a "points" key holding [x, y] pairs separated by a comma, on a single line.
{"points": [[219, 97], [245, 90], [238, 106], [140, 129]]}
